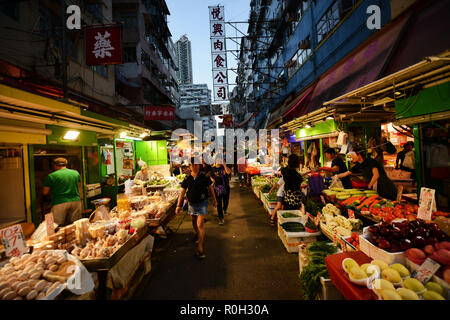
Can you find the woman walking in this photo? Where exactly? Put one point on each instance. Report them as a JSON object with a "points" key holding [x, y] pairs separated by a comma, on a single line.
{"points": [[196, 187], [220, 177]]}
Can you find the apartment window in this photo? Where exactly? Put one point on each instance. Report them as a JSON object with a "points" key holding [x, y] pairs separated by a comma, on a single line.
{"points": [[95, 9], [332, 16], [10, 9], [101, 70], [129, 54], [300, 56], [129, 22]]}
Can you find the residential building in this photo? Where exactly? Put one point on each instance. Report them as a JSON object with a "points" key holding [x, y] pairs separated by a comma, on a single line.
{"points": [[148, 75], [184, 60], [290, 44]]}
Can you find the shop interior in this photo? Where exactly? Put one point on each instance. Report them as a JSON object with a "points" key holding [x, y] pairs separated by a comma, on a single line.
{"points": [[12, 194]]}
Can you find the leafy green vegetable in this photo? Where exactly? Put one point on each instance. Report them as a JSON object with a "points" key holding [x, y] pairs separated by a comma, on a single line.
{"points": [[310, 276], [266, 188]]}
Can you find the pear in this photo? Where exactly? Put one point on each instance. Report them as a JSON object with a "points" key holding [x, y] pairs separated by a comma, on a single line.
{"points": [[357, 273], [432, 295], [413, 284], [350, 263], [390, 295], [433, 286], [383, 265], [407, 294], [382, 284], [391, 275], [404, 272]]}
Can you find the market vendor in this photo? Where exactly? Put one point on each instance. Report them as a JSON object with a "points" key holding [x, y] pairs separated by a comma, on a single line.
{"points": [[142, 175], [373, 173], [337, 166], [63, 185]]}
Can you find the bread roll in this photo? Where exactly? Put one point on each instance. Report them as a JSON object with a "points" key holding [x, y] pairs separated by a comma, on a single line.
{"points": [[4, 291], [24, 291], [32, 294], [53, 267], [40, 285], [10, 295]]}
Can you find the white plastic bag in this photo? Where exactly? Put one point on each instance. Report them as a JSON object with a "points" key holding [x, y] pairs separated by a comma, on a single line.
{"points": [[41, 232], [336, 182]]}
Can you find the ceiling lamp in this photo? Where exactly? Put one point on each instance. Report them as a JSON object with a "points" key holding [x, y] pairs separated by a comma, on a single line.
{"points": [[329, 118], [71, 135], [307, 126], [123, 134]]}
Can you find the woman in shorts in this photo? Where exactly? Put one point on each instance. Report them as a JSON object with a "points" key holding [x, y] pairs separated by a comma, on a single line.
{"points": [[196, 187]]}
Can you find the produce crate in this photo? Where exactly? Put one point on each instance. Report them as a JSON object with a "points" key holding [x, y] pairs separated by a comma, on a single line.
{"points": [[329, 291], [291, 243], [270, 204], [283, 220], [376, 253], [348, 246]]}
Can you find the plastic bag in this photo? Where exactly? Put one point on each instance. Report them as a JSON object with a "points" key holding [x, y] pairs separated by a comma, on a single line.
{"points": [[41, 232], [101, 213], [336, 182]]}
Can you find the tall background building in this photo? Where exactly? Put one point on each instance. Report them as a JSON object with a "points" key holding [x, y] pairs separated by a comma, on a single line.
{"points": [[184, 57]]}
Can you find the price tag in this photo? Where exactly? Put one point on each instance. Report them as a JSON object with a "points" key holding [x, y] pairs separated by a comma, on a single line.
{"points": [[317, 219], [14, 241], [427, 204], [351, 214], [49, 220], [426, 270], [304, 219], [335, 237]]}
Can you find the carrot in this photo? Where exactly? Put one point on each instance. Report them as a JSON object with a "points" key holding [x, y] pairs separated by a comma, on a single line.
{"points": [[367, 202], [349, 200], [375, 202]]}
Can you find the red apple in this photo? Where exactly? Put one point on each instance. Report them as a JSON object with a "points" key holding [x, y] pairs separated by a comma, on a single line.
{"points": [[429, 249]]}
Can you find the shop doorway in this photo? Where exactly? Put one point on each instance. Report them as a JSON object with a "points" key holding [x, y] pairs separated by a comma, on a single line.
{"points": [[43, 158], [12, 192]]}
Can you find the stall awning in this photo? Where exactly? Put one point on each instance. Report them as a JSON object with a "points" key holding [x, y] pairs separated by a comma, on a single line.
{"points": [[424, 36], [432, 71], [362, 66], [26, 106]]}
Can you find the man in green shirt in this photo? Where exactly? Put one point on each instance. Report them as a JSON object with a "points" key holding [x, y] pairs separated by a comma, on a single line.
{"points": [[63, 185]]}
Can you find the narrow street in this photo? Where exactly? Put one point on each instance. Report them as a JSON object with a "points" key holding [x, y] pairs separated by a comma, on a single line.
{"points": [[245, 258]]}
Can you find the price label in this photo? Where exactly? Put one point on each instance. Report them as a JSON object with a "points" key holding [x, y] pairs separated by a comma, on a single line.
{"points": [[426, 270], [13, 241], [317, 219], [351, 214], [335, 237], [49, 220], [427, 204]]}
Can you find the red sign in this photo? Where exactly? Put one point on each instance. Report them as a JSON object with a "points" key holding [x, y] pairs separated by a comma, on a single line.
{"points": [[103, 45], [159, 113]]}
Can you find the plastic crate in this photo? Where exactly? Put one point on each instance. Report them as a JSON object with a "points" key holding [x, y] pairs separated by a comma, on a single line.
{"points": [[283, 220]]}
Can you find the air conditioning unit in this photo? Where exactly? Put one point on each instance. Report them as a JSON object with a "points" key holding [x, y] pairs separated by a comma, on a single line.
{"points": [[304, 44]]}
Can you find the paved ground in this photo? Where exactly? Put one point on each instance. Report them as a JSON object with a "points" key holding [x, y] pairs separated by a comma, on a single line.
{"points": [[245, 259]]}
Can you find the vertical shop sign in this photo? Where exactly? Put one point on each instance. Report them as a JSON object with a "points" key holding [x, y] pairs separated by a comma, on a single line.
{"points": [[218, 53], [103, 45], [13, 241]]}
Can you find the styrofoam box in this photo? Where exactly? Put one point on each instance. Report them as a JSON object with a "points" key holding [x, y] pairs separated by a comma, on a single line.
{"points": [[292, 243], [283, 220], [329, 290], [377, 253]]}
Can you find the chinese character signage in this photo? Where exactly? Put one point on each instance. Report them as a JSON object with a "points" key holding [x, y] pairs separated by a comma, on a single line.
{"points": [[103, 45], [13, 241], [159, 113], [218, 53]]}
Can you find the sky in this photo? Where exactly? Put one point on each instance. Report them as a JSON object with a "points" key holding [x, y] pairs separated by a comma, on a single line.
{"points": [[191, 17]]}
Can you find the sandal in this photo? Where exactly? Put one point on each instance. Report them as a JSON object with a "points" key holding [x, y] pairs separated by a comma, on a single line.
{"points": [[272, 222], [200, 255]]}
